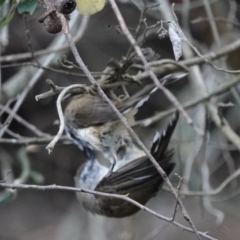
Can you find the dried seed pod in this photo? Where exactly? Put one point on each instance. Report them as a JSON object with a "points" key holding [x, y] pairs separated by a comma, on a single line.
{"points": [[52, 23]]}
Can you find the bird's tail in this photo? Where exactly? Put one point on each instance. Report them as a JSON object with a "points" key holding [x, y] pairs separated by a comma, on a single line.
{"points": [[160, 144], [139, 98]]}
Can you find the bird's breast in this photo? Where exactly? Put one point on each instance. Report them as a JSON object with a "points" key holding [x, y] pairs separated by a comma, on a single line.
{"points": [[90, 135], [113, 135]]}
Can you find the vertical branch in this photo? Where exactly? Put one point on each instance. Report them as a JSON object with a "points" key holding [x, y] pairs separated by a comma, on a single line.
{"points": [[33, 80], [170, 96], [51, 145], [65, 30], [148, 69]]}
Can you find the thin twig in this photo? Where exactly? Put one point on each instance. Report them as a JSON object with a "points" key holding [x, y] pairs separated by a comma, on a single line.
{"points": [[51, 145], [220, 122], [50, 69], [216, 190], [55, 49], [160, 70], [178, 192], [28, 35], [56, 90], [220, 90], [122, 197], [30, 141], [22, 121], [13, 134], [148, 69], [194, 4], [31, 83], [28, 55], [217, 19]]}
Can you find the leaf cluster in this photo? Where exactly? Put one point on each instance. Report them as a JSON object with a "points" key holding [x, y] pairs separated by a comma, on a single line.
{"points": [[22, 6]]}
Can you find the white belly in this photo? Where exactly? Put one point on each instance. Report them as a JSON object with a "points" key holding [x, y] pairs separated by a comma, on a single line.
{"points": [[91, 136]]}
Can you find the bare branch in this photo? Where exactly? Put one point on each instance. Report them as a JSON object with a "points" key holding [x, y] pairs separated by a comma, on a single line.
{"points": [[178, 192], [22, 121], [216, 190], [220, 90], [52, 49], [148, 69], [122, 197], [51, 145], [29, 141]]}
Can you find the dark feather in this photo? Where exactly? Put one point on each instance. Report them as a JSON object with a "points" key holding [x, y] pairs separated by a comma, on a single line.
{"points": [[88, 110], [141, 173]]}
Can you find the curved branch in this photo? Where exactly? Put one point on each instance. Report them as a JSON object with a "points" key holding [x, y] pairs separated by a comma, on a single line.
{"points": [[122, 197]]}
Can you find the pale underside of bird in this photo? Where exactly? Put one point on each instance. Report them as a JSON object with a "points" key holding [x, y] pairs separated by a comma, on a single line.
{"points": [[92, 124], [138, 178]]}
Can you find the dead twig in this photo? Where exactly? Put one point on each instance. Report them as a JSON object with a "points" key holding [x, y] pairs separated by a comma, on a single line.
{"points": [[123, 197]]}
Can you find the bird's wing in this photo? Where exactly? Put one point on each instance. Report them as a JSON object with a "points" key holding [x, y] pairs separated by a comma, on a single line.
{"points": [[87, 111], [141, 96], [141, 172], [137, 99], [160, 143], [137, 174]]}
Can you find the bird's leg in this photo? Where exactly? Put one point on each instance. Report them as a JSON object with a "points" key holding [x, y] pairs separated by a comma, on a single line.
{"points": [[113, 160], [112, 166]]}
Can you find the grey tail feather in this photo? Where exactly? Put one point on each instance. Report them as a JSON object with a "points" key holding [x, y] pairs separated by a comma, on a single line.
{"points": [[161, 143]]}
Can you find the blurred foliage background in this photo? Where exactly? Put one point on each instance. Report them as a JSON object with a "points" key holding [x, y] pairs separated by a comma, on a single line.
{"points": [[28, 214]]}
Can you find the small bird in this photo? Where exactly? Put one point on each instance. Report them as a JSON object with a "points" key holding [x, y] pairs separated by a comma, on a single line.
{"points": [[92, 124], [137, 178]]}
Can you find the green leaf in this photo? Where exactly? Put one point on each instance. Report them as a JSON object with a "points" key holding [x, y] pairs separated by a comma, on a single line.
{"points": [[5, 20], [28, 6], [1, 2], [8, 17]]}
